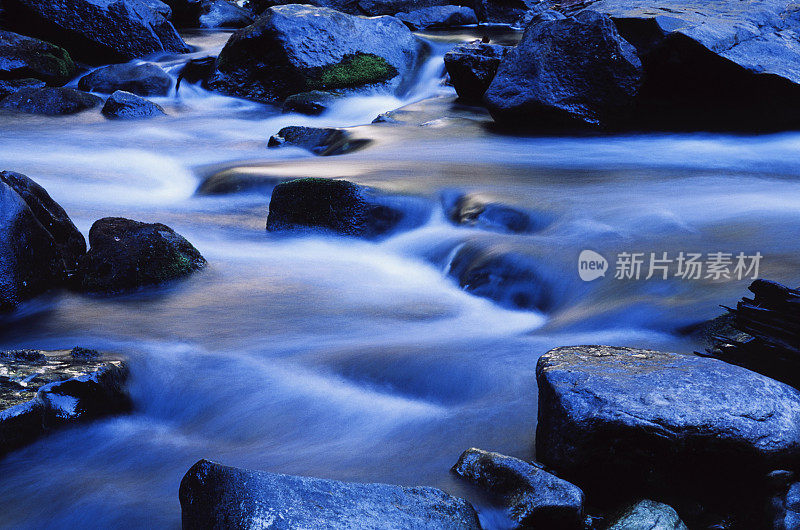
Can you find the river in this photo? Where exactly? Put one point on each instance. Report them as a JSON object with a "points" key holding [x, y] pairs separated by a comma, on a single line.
{"points": [[362, 360]]}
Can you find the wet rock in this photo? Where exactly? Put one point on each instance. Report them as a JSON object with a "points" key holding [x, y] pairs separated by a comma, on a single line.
{"points": [[392, 7], [575, 72], [39, 245], [160, 7], [476, 211], [438, 17], [298, 48], [43, 390], [784, 510], [503, 11], [534, 498], [341, 207], [472, 67], [144, 79], [15, 85], [126, 106], [195, 71], [239, 181], [691, 49], [509, 277], [27, 58], [311, 103], [209, 14], [217, 496], [126, 255], [682, 428], [96, 31], [51, 101], [649, 515], [257, 7], [322, 142]]}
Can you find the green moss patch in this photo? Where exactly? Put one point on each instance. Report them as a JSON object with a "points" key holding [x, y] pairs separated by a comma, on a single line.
{"points": [[353, 70]]}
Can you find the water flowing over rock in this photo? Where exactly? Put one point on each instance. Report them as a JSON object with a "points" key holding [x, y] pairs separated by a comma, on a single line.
{"points": [[534, 498], [322, 142], [39, 245], [96, 31], [125, 255], [127, 106], [297, 48], [27, 58], [145, 79], [472, 67], [438, 17], [705, 62], [40, 391], [341, 207], [649, 515], [678, 427], [575, 72], [50, 101], [217, 496], [476, 211]]}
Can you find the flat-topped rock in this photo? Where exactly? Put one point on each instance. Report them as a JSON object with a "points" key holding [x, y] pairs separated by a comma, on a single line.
{"points": [[217, 496], [42, 390], [665, 424]]}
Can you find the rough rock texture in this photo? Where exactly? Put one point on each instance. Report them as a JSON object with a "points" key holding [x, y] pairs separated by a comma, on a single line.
{"points": [[127, 106], [648, 515], [534, 498], [125, 255], [784, 510], [15, 85], [575, 72], [41, 390], [296, 48], [665, 425], [322, 142], [503, 11], [209, 14], [341, 207], [705, 61], [25, 58], [477, 211], [391, 7], [96, 31], [438, 17], [257, 7], [145, 79], [217, 496], [472, 67], [39, 245], [51, 101], [311, 103]]}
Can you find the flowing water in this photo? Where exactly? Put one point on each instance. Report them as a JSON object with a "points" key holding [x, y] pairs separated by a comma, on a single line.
{"points": [[350, 359]]}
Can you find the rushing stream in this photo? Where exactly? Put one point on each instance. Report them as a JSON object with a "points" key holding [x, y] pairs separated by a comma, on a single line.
{"points": [[350, 359]]}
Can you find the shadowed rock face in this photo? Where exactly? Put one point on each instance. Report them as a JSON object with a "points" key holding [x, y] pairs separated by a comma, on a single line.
{"points": [[320, 141], [41, 390], [472, 67], [39, 245], [216, 496], [125, 255], [575, 72], [50, 101], [126, 106], [296, 48], [534, 498], [146, 79], [96, 31], [664, 425], [726, 64], [24, 58], [438, 17]]}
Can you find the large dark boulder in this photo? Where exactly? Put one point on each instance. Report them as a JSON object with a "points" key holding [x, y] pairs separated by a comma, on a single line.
{"points": [[533, 497], [44, 390], [27, 58], [126, 106], [681, 428], [51, 101], [503, 11], [217, 496], [296, 48], [209, 14], [8, 87], [320, 141], [257, 7], [438, 17], [391, 7], [341, 207], [96, 31], [472, 67], [125, 255], [144, 79], [39, 245], [726, 64], [575, 72], [648, 515]]}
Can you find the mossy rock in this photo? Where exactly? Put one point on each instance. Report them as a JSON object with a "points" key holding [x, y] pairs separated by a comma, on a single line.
{"points": [[24, 57], [354, 70]]}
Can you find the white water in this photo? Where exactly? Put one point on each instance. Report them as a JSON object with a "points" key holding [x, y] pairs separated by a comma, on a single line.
{"points": [[360, 360]]}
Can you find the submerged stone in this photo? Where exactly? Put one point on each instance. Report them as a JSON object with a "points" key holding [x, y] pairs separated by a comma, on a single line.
{"points": [[320, 141], [43, 390], [217, 496]]}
